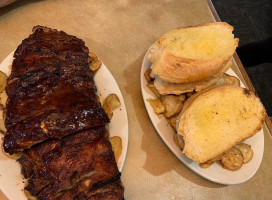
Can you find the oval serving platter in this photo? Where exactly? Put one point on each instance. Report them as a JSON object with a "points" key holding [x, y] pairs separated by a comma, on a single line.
{"points": [[215, 173], [11, 180]]}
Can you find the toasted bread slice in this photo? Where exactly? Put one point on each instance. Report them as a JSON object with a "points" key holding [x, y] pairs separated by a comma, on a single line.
{"points": [[215, 119], [164, 87], [193, 53]]}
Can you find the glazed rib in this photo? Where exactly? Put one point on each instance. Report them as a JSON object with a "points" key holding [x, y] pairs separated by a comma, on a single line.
{"points": [[54, 117], [47, 93], [51, 91], [56, 165]]}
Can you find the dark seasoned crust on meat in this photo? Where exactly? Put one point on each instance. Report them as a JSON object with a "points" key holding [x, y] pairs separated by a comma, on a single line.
{"points": [[51, 91], [54, 117], [47, 94], [56, 165], [110, 190], [52, 148], [57, 124]]}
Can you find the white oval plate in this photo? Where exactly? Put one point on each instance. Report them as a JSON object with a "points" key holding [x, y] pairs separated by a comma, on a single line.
{"points": [[11, 180], [215, 173]]}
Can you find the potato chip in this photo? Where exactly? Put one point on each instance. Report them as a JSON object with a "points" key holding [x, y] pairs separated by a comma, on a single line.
{"points": [[96, 63], [116, 143], [172, 105], [110, 103], [110, 115], [173, 121], [153, 89], [157, 106], [246, 151], [3, 98], [232, 159], [3, 129], [147, 75], [3, 81]]}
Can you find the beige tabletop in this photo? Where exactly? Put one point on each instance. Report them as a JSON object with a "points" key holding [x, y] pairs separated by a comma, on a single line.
{"points": [[120, 32]]}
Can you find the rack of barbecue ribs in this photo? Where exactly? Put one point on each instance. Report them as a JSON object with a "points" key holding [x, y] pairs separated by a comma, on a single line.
{"points": [[54, 118]]}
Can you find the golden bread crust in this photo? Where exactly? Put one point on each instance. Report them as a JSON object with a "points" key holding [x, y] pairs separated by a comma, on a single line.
{"points": [[193, 53], [215, 119], [164, 87]]}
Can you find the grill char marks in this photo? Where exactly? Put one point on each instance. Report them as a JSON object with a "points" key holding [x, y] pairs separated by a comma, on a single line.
{"points": [[56, 165], [53, 117]]}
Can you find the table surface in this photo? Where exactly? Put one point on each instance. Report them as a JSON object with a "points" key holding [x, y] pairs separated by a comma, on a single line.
{"points": [[120, 32]]}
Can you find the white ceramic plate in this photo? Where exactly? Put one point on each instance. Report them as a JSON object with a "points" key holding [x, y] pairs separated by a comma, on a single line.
{"points": [[214, 173], [11, 180]]}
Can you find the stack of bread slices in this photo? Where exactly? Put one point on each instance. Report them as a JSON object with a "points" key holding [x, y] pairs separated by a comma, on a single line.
{"points": [[219, 115]]}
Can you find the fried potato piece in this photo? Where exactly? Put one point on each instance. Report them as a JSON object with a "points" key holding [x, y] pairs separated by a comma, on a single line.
{"points": [[116, 143], [246, 151], [179, 141], [110, 103], [107, 134], [232, 159], [226, 79], [173, 105], [157, 106], [110, 115], [210, 162], [147, 75], [3, 129], [3, 98], [173, 121], [153, 89], [3, 81], [96, 63]]}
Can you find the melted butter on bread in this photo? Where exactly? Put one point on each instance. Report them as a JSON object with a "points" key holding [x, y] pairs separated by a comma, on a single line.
{"points": [[193, 53], [217, 119]]}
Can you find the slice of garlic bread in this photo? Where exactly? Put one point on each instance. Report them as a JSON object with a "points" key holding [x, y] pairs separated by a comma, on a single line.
{"points": [[214, 120], [193, 53]]}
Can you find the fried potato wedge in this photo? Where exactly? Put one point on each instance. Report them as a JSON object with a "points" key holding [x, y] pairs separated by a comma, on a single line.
{"points": [[157, 106], [3, 81], [96, 63], [153, 89], [116, 143], [232, 159], [246, 151], [110, 103], [173, 105]]}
